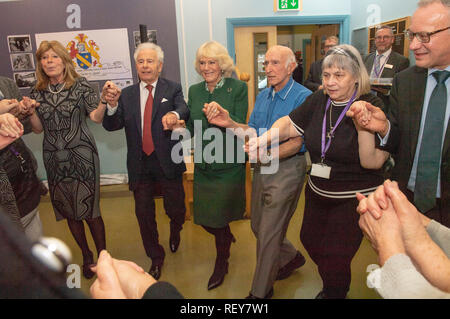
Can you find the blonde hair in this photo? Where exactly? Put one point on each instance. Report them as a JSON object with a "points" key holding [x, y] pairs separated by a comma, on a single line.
{"points": [[347, 58], [215, 50], [70, 75]]}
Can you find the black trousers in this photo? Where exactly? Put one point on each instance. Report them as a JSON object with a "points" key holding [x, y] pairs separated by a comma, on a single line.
{"points": [[173, 198], [331, 235]]}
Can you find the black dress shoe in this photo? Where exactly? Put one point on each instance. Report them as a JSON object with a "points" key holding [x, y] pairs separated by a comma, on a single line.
{"points": [[88, 262], [87, 271], [174, 240], [155, 271], [216, 279], [287, 270], [268, 296]]}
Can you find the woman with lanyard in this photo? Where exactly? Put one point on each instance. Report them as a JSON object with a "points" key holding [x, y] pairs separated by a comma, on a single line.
{"points": [[345, 162]]}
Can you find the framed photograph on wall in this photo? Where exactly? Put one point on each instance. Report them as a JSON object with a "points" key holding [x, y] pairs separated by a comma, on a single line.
{"points": [[19, 43], [25, 79], [22, 62], [151, 35]]}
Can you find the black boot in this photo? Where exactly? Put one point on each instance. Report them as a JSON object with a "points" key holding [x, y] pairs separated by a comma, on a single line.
{"points": [[224, 238], [220, 270]]}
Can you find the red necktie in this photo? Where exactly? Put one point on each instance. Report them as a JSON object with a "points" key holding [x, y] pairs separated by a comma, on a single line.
{"points": [[147, 140]]}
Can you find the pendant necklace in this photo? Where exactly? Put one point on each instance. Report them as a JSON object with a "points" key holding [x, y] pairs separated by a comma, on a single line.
{"points": [[329, 136]]}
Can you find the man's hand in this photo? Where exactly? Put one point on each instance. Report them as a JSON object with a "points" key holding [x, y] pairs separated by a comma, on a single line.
{"points": [[369, 117], [170, 121], [110, 93]]}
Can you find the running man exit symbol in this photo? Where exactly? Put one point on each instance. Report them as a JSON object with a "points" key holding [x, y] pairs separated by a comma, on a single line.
{"points": [[288, 5]]}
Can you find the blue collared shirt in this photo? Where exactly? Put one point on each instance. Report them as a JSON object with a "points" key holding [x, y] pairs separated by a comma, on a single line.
{"points": [[271, 106], [431, 84]]}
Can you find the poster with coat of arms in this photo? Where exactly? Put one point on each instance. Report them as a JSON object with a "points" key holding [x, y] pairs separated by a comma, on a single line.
{"points": [[96, 54]]}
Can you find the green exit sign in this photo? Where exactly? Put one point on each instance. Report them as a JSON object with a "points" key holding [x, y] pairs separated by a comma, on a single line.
{"points": [[288, 5]]}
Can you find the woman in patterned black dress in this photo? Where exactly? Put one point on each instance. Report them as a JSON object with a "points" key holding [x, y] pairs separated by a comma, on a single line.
{"points": [[69, 150]]}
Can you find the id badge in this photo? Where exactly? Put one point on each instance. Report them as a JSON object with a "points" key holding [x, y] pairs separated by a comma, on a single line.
{"points": [[321, 170]]}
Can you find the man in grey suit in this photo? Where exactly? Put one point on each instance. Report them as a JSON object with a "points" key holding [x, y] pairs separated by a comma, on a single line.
{"points": [[417, 131], [384, 62]]}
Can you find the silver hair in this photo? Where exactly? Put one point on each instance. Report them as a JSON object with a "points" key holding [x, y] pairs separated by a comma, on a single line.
{"points": [[347, 57], [150, 46]]}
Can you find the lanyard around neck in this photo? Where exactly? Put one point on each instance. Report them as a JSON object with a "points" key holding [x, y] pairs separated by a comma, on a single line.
{"points": [[326, 145], [378, 74]]}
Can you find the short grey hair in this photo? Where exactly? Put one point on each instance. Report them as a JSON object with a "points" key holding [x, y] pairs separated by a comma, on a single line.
{"points": [[150, 46], [424, 3], [287, 52], [384, 27], [347, 58]]}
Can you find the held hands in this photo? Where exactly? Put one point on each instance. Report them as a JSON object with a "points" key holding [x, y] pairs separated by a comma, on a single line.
{"points": [[10, 126], [119, 279], [256, 147], [388, 198], [110, 93], [217, 115], [171, 122], [10, 129], [385, 233], [27, 107], [368, 117], [9, 106]]}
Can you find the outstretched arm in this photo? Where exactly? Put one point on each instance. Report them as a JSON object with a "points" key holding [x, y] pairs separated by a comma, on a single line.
{"points": [[370, 156]]}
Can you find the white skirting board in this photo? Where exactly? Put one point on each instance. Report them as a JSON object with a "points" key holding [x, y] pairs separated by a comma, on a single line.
{"points": [[108, 179]]}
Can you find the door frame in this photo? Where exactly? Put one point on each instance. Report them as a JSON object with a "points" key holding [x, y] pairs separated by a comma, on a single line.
{"points": [[342, 20]]}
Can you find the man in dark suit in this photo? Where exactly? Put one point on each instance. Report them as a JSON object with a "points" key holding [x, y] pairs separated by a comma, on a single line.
{"points": [[314, 79], [148, 110], [384, 62], [417, 131]]}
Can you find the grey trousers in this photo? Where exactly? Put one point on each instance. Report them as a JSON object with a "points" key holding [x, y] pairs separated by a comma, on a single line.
{"points": [[32, 225], [274, 201]]}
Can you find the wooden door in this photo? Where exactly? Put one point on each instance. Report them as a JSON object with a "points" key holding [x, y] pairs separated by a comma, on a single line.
{"points": [[317, 38], [246, 60]]}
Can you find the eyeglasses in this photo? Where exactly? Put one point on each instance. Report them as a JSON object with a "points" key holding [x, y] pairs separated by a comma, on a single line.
{"points": [[423, 37], [386, 37]]}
